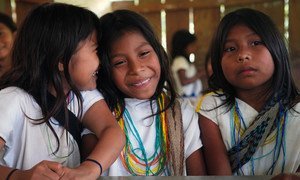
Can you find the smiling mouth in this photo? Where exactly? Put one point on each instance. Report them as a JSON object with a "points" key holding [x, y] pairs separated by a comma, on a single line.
{"points": [[141, 83]]}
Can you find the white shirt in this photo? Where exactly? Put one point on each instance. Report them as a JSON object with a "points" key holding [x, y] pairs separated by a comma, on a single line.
{"points": [[192, 89], [26, 143], [263, 157], [138, 110]]}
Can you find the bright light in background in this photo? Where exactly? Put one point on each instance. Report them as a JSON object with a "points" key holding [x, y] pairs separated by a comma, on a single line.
{"points": [[163, 29], [99, 7], [286, 19], [13, 10]]}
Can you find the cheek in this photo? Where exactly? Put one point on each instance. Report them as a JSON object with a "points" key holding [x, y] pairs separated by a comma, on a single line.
{"points": [[117, 77]]}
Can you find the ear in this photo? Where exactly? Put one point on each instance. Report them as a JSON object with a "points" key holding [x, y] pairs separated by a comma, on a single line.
{"points": [[60, 67]]}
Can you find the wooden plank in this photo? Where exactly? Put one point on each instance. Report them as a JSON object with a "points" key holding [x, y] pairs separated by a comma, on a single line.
{"points": [[34, 1], [24, 6], [5, 7], [181, 5], [274, 9], [155, 21], [294, 30], [175, 20], [146, 2], [206, 22]]}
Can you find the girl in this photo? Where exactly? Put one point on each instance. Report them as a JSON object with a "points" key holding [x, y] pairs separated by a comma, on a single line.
{"points": [[185, 73], [250, 119], [41, 107], [162, 134], [7, 35]]}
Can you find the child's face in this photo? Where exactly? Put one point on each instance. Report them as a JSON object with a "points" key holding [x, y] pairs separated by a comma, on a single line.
{"points": [[84, 64], [6, 41], [247, 63], [135, 66]]}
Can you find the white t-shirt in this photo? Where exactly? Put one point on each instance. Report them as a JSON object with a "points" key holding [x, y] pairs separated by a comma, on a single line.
{"points": [[138, 110], [27, 144], [263, 157], [192, 89]]}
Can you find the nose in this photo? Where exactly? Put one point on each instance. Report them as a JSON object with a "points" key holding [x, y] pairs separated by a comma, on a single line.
{"points": [[135, 66], [243, 55]]}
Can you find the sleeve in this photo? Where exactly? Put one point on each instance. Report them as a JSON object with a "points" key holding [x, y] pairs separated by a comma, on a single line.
{"points": [[86, 131], [90, 98], [191, 129], [208, 107], [10, 112], [180, 63]]}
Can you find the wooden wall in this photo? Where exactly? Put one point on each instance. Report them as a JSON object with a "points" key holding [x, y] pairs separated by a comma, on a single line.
{"points": [[206, 15]]}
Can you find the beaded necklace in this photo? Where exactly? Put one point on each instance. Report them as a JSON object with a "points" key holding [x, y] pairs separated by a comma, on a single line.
{"points": [[238, 126], [135, 159]]}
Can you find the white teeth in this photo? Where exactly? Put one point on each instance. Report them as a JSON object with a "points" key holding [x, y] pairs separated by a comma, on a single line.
{"points": [[141, 83]]}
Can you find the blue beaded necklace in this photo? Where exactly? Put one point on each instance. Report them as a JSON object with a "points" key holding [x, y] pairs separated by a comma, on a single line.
{"points": [[238, 126]]}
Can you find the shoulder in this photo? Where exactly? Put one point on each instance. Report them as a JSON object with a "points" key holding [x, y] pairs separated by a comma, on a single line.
{"points": [[90, 98], [14, 95], [15, 103], [12, 91], [180, 61], [209, 100], [87, 95]]}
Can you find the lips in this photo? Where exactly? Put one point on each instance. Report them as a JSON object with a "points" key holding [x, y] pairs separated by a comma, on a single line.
{"points": [[247, 70]]}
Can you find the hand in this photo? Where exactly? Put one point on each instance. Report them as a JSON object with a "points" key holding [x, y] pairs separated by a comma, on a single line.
{"points": [[42, 170]]}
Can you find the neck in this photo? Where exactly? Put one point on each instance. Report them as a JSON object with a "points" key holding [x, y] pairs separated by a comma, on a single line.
{"points": [[255, 98]]}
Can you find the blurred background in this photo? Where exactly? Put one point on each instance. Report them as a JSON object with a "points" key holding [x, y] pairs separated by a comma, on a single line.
{"points": [[199, 16]]}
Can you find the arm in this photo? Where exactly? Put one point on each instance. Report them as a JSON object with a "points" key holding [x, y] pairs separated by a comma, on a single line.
{"points": [[185, 80], [214, 150], [43, 170], [88, 143], [110, 142], [195, 165]]}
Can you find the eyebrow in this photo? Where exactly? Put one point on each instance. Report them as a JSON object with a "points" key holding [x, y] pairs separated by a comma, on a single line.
{"points": [[145, 43]]}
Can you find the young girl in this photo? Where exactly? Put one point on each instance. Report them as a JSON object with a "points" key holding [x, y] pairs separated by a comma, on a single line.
{"points": [[41, 106], [162, 133], [250, 119], [7, 35], [186, 75]]}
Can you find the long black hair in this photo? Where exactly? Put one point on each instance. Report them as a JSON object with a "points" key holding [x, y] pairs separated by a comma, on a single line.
{"points": [[113, 26]]}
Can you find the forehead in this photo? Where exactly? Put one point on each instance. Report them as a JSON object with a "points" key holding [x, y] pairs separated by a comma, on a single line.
{"points": [[238, 29], [129, 38]]}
